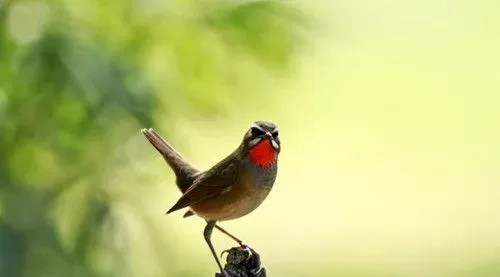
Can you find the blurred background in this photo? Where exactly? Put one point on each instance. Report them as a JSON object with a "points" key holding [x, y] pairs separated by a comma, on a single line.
{"points": [[388, 113]]}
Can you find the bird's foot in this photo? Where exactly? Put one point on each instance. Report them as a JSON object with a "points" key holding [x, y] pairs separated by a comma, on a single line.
{"points": [[247, 249], [224, 252], [244, 247]]}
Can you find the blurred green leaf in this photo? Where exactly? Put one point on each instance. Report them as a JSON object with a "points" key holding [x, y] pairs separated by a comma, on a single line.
{"points": [[270, 31], [77, 86]]}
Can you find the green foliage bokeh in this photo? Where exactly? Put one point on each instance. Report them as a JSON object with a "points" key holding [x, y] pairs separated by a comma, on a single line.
{"points": [[77, 78]]}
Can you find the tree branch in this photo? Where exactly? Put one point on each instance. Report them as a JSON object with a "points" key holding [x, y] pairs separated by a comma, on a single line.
{"points": [[242, 262]]}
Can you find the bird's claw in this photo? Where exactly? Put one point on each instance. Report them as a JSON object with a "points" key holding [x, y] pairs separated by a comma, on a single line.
{"points": [[243, 246], [223, 252], [248, 249]]}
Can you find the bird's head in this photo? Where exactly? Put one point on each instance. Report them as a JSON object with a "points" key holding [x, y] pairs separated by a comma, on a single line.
{"points": [[261, 143]]}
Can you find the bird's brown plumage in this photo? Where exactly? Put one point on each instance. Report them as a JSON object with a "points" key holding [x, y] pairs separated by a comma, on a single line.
{"points": [[232, 188], [198, 186], [209, 184]]}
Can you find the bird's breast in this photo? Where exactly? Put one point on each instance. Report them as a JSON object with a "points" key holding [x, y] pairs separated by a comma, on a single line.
{"points": [[263, 176]]}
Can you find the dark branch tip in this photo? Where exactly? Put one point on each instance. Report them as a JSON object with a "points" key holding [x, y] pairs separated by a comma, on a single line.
{"points": [[242, 261]]}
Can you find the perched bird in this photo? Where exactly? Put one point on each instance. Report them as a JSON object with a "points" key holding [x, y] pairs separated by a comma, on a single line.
{"points": [[232, 188]]}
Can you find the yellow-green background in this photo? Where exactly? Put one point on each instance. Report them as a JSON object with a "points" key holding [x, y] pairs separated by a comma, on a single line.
{"points": [[389, 117]]}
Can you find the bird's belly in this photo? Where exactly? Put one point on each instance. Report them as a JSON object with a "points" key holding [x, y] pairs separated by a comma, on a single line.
{"points": [[240, 200]]}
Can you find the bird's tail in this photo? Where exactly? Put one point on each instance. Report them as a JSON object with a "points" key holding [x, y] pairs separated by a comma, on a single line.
{"points": [[182, 169]]}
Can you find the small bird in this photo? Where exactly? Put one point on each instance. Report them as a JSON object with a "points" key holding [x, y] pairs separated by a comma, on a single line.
{"points": [[232, 188]]}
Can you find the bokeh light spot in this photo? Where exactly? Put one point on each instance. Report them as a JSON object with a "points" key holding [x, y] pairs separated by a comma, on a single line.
{"points": [[27, 21]]}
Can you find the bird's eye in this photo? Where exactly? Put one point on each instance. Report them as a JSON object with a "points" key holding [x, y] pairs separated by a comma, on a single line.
{"points": [[275, 134], [256, 132]]}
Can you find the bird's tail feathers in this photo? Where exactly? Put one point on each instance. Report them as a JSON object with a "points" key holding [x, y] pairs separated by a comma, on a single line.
{"points": [[179, 165]]}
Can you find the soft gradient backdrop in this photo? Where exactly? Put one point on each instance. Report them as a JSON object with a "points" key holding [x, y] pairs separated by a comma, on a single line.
{"points": [[389, 117]]}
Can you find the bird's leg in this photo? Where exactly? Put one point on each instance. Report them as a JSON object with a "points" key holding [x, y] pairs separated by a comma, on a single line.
{"points": [[207, 233], [247, 248], [229, 235]]}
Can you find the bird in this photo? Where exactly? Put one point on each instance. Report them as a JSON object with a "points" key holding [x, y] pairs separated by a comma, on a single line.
{"points": [[233, 187]]}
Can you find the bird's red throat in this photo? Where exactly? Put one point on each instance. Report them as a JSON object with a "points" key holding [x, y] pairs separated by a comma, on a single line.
{"points": [[263, 154]]}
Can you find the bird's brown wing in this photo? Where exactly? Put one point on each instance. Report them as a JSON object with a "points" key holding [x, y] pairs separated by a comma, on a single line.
{"points": [[209, 184]]}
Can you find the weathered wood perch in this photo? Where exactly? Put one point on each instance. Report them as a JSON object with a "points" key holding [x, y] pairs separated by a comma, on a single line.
{"points": [[240, 263]]}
